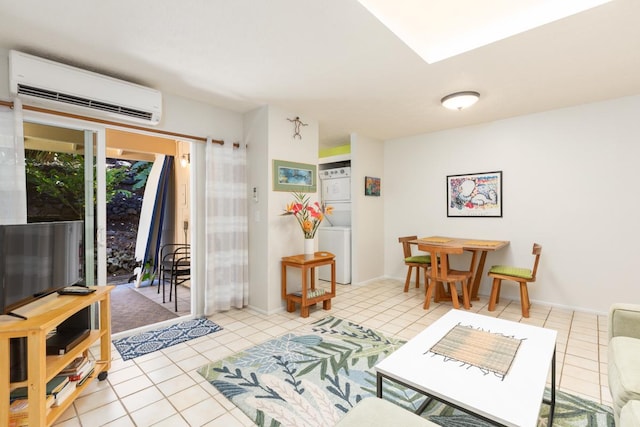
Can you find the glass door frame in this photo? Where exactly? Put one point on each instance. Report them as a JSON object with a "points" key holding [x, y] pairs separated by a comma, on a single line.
{"points": [[93, 133]]}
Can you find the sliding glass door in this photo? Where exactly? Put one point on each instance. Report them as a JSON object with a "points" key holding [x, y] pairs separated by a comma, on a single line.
{"points": [[65, 177], [75, 167]]}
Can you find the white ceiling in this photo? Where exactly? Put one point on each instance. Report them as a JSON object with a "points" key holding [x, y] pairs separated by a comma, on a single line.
{"points": [[331, 60], [438, 30]]}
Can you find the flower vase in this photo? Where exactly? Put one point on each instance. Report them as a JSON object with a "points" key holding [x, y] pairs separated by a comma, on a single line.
{"points": [[309, 246]]}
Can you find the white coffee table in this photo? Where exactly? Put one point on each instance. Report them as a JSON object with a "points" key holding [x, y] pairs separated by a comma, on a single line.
{"points": [[512, 400]]}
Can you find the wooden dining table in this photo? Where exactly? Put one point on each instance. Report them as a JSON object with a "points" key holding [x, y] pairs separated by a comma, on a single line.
{"points": [[478, 247]]}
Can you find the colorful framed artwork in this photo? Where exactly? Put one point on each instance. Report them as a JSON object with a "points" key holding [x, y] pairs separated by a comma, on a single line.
{"points": [[475, 195], [294, 177], [371, 186]]}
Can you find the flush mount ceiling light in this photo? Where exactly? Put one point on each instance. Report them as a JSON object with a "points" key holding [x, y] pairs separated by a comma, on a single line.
{"points": [[440, 29], [460, 100]]}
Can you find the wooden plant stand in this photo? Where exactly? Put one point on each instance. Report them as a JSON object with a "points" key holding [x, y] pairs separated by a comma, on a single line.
{"points": [[308, 262]]}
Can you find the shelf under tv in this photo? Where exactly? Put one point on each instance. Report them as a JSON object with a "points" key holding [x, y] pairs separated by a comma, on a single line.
{"points": [[63, 341]]}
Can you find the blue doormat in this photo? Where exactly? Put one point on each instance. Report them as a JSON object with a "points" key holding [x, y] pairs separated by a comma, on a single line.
{"points": [[150, 341]]}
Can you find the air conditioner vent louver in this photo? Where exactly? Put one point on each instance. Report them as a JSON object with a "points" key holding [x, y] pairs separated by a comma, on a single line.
{"points": [[52, 85], [82, 102]]}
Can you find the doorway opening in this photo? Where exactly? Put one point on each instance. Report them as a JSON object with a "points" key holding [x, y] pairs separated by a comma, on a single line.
{"points": [[56, 154]]}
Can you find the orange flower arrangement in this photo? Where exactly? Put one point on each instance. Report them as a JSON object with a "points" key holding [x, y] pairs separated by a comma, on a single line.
{"points": [[309, 215]]}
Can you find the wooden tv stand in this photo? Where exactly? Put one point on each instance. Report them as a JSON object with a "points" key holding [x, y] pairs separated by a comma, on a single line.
{"points": [[43, 316]]}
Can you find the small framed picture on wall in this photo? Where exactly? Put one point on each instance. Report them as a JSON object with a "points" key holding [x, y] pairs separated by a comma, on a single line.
{"points": [[371, 186], [294, 177]]}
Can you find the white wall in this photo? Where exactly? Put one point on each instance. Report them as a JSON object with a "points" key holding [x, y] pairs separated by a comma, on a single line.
{"points": [[257, 139], [273, 236], [367, 217], [4, 74], [569, 183]]}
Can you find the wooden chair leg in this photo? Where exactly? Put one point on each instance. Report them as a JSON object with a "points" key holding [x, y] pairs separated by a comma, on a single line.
{"points": [[524, 299], [465, 293], [408, 280], [426, 281], [430, 284], [454, 295], [417, 277], [495, 294], [439, 292]]}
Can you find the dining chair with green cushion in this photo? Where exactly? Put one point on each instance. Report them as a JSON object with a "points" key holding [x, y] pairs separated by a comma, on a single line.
{"points": [[411, 261], [520, 275]]}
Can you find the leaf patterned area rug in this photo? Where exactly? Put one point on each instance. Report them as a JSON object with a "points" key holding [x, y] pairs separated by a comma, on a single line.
{"points": [[315, 376]]}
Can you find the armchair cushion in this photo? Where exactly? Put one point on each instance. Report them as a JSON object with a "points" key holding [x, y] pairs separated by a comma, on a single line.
{"points": [[373, 412], [630, 414], [624, 372], [624, 320]]}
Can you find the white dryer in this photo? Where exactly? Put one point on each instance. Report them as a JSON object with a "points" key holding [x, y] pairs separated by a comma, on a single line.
{"points": [[336, 185]]}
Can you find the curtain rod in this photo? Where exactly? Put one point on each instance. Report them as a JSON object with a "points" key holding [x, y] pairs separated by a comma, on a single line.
{"points": [[107, 122]]}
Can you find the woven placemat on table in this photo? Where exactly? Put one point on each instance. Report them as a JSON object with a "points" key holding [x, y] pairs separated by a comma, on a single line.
{"points": [[482, 242], [485, 350], [436, 239]]}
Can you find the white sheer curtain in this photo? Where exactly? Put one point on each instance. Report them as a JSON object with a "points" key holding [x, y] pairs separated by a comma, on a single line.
{"points": [[13, 187], [227, 283]]}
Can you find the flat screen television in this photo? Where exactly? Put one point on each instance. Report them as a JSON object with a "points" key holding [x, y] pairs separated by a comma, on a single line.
{"points": [[37, 259]]}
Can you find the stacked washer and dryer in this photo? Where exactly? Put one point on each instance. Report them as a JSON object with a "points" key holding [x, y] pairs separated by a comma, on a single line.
{"points": [[334, 234]]}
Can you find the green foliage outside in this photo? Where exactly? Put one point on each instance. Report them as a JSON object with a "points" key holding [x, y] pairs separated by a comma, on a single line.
{"points": [[60, 176], [142, 171]]}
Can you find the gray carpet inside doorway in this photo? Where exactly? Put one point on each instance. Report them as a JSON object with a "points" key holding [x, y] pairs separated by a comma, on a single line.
{"points": [[130, 310]]}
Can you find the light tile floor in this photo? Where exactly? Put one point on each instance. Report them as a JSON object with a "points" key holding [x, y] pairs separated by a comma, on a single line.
{"points": [[164, 389]]}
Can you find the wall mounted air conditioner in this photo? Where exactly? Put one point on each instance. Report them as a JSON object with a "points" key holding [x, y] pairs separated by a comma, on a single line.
{"points": [[44, 83]]}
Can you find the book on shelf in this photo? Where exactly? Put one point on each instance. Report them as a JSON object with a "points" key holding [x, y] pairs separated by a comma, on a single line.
{"points": [[86, 377], [64, 393], [56, 384], [72, 368], [18, 416], [83, 371], [18, 412], [53, 386]]}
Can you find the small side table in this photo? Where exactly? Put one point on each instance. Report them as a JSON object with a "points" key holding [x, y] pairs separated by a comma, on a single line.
{"points": [[308, 262]]}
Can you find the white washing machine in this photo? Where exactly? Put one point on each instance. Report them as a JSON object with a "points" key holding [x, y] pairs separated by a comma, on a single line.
{"points": [[337, 240]]}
